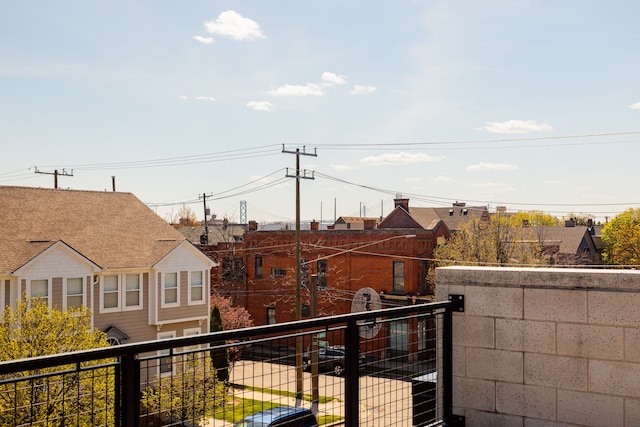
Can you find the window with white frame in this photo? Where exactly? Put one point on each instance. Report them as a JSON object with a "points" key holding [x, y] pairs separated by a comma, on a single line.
{"points": [[165, 362], [196, 287], [121, 292], [170, 290], [74, 292], [133, 290], [189, 333], [111, 292], [40, 289]]}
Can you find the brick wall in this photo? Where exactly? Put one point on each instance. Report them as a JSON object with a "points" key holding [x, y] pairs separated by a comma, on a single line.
{"points": [[545, 347]]}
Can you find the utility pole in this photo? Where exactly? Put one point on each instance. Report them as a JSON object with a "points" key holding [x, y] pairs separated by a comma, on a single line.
{"points": [[299, 347], [204, 238], [55, 174]]}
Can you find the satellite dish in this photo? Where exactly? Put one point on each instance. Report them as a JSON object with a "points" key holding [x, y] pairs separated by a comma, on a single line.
{"points": [[367, 299]]}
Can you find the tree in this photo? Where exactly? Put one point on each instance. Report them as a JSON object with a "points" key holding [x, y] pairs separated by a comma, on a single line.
{"points": [[534, 219], [621, 237], [580, 220], [233, 317], [497, 242], [190, 393], [219, 354], [73, 398], [185, 217]]}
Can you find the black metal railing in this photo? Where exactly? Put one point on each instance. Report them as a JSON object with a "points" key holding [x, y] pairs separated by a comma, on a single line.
{"points": [[384, 367]]}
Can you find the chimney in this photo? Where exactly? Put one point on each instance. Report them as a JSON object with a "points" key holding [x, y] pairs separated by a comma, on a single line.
{"points": [[570, 223], [403, 203], [253, 226], [315, 225]]}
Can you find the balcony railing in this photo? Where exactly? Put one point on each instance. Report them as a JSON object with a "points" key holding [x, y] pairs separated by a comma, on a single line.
{"points": [[389, 367]]}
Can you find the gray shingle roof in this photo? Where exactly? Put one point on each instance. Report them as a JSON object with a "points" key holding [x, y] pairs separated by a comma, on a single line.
{"points": [[114, 230]]}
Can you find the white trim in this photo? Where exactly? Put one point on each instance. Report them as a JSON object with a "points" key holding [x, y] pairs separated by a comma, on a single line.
{"points": [[181, 320], [122, 292], [110, 309], [164, 304], [202, 285], [190, 332], [163, 336], [140, 304], [65, 291], [49, 289], [96, 268]]}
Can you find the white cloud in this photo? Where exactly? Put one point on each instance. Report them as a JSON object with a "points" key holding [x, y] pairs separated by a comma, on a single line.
{"points": [[205, 98], [342, 167], [310, 89], [442, 178], [516, 126], [362, 90], [635, 106], [399, 159], [232, 25], [333, 79], [260, 105], [203, 40], [414, 179], [500, 167], [184, 98]]}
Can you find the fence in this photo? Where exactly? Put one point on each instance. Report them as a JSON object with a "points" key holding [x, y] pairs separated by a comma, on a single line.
{"points": [[389, 367]]}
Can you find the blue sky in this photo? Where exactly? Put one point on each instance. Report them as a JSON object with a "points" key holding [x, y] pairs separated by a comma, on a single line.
{"points": [[534, 105]]}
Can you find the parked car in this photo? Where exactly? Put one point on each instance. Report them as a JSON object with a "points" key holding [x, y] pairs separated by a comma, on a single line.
{"points": [[330, 358], [280, 416]]}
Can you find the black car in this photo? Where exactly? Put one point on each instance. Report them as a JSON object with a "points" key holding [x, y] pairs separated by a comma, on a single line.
{"points": [[280, 416], [330, 358]]}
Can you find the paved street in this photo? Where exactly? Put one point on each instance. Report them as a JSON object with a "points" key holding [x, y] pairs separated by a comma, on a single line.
{"points": [[383, 402]]}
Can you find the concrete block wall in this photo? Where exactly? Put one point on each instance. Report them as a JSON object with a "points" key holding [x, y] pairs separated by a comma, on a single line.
{"points": [[545, 347]]}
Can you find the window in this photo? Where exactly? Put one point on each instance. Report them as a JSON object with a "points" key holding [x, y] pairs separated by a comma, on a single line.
{"points": [[111, 292], [75, 292], [40, 289], [165, 363], [278, 272], [132, 294], [398, 276], [190, 333], [170, 289], [121, 292], [322, 274], [196, 288], [258, 267], [271, 315]]}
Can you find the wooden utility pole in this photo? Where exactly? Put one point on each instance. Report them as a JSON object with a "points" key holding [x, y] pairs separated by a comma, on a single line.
{"points": [[299, 347], [204, 238], [55, 174]]}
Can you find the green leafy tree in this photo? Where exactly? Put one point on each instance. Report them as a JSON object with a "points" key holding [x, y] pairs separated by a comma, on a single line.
{"points": [[497, 242], [219, 354], [621, 237], [191, 393], [48, 395]]}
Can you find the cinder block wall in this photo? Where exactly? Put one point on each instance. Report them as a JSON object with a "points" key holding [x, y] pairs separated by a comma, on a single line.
{"points": [[545, 347]]}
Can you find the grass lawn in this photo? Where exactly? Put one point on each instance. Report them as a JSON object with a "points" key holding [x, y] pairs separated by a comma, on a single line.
{"points": [[239, 408]]}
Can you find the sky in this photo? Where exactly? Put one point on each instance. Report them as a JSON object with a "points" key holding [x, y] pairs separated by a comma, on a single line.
{"points": [[532, 105]]}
